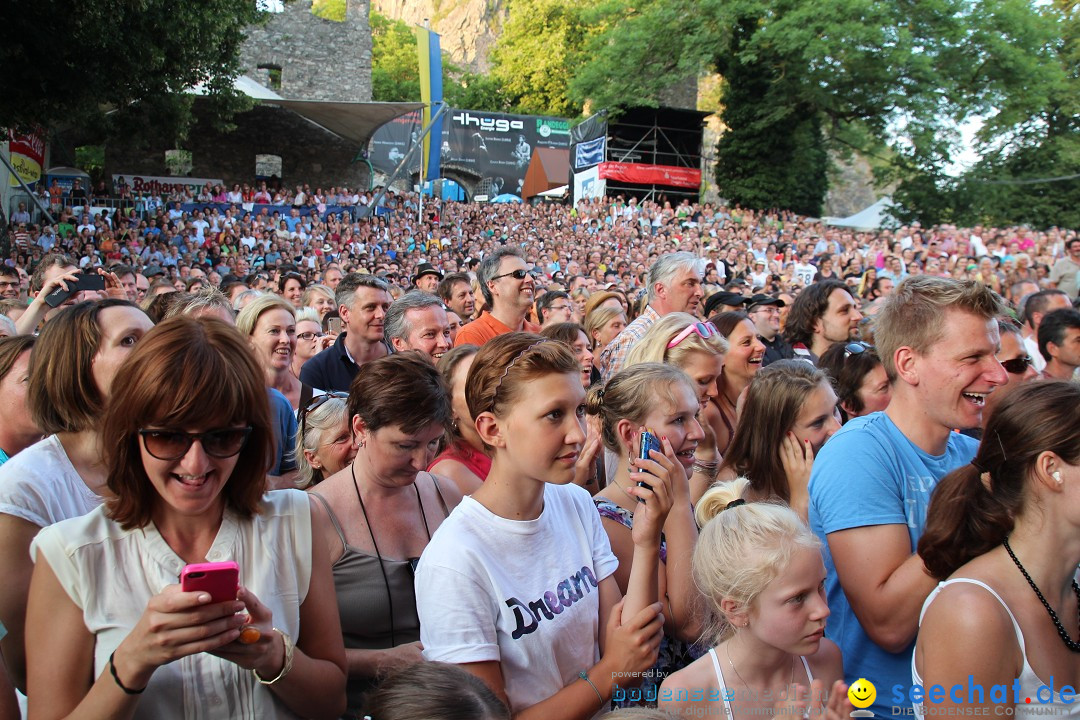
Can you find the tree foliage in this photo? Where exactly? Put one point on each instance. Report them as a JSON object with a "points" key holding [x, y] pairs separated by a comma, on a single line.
{"points": [[63, 62], [903, 72], [539, 49], [395, 72]]}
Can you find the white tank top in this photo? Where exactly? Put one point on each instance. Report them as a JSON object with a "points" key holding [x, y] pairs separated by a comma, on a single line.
{"points": [[723, 688], [1029, 681]]}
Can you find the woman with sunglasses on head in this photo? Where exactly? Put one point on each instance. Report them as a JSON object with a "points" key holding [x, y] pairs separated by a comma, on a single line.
{"points": [[72, 369], [789, 413], [324, 444], [381, 511], [664, 400], [517, 586], [110, 632], [858, 378], [700, 351]]}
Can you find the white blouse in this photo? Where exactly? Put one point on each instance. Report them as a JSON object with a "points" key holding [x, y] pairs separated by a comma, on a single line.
{"points": [[111, 574]]}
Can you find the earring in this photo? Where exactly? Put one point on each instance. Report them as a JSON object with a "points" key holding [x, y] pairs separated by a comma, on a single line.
{"points": [[361, 443], [1057, 476]]}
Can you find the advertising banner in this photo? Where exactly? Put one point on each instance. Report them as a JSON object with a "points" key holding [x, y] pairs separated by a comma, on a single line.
{"points": [[589, 153], [496, 147], [642, 174], [588, 184], [157, 185], [27, 152]]}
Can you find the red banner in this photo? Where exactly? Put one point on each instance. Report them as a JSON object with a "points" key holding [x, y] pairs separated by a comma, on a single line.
{"points": [[640, 174], [27, 152]]}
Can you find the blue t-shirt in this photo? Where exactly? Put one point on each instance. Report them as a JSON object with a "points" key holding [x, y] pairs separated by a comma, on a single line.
{"points": [[285, 429], [867, 474]]}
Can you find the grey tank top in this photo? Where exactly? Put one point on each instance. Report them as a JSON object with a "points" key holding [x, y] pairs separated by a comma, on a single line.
{"points": [[364, 603]]}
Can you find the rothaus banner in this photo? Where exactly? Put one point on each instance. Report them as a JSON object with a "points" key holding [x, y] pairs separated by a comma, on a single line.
{"points": [[496, 147]]}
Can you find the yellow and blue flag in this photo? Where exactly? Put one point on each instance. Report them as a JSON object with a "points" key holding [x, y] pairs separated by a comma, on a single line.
{"points": [[431, 94]]}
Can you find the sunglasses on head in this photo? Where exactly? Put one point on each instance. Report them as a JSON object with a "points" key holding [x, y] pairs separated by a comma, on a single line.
{"points": [[856, 348], [516, 274], [317, 403], [174, 444], [1017, 366], [703, 330]]}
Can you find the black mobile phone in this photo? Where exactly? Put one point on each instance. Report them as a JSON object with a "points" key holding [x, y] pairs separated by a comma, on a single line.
{"points": [[648, 442], [85, 281]]}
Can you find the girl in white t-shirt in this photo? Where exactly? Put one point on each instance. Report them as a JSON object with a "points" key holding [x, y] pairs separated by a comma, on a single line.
{"points": [[517, 584], [759, 568]]}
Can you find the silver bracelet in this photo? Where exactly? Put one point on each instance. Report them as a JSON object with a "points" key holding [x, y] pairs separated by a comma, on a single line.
{"points": [[708, 469], [585, 676]]}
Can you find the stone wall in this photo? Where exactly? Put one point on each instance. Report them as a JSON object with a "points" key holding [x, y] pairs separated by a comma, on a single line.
{"points": [[319, 59], [308, 153]]}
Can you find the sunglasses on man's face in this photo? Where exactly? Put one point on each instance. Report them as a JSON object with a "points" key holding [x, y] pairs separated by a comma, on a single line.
{"points": [[1017, 366], [516, 274]]}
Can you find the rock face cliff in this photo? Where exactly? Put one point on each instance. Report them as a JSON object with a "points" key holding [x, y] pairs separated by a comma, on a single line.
{"points": [[468, 27]]}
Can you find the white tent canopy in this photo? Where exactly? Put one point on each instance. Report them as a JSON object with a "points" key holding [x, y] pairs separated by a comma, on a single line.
{"points": [[555, 192], [871, 218]]}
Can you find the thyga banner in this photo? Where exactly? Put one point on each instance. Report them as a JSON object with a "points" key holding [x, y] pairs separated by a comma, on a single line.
{"points": [[494, 146]]}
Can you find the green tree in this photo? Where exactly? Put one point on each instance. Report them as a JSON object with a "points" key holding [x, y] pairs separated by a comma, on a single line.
{"points": [[395, 72], [540, 47], [63, 63], [904, 73]]}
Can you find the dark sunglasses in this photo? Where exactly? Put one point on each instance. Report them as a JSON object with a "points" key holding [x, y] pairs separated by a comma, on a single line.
{"points": [[173, 444], [856, 348], [1017, 366], [516, 274], [316, 404]]}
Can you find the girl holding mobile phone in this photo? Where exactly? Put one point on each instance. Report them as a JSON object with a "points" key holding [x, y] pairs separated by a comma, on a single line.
{"points": [[517, 584], [110, 633]]}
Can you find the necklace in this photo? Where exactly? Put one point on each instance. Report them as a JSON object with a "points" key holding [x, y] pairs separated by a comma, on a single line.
{"points": [[1069, 642], [375, 545], [727, 651]]}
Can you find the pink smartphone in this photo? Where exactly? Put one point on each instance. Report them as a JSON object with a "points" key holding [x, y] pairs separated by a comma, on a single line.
{"points": [[220, 579]]}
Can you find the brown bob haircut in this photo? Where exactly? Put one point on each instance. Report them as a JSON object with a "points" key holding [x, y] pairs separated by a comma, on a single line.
{"points": [[10, 350], [186, 374], [63, 396], [403, 389]]}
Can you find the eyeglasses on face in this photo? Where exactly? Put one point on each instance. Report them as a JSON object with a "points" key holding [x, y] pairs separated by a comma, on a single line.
{"points": [[516, 274], [703, 330], [1017, 366], [307, 336], [174, 444], [856, 348]]}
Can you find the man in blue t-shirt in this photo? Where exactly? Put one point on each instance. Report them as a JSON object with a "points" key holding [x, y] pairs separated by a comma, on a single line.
{"points": [[872, 482]]}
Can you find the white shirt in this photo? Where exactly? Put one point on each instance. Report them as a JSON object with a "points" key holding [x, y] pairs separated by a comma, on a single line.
{"points": [[40, 485], [111, 574], [523, 593]]}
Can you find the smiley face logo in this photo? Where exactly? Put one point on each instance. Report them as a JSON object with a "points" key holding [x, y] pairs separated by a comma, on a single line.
{"points": [[862, 693]]}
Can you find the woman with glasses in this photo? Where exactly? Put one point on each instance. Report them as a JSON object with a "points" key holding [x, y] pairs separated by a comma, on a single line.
{"points": [[858, 379], [324, 444], [269, 323], [789, 413], [310, 338], [110, 632], [381, 511]]}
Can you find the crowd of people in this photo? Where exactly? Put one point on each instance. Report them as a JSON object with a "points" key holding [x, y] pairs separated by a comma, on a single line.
{"points": [[519, 461]]}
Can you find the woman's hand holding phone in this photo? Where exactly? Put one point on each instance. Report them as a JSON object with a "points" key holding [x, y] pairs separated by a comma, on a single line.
{"points": [[266, 655], [175, 624], [654, 490]]}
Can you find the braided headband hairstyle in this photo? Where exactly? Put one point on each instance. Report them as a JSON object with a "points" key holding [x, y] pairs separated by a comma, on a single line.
{"points": [[506, 364]]}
